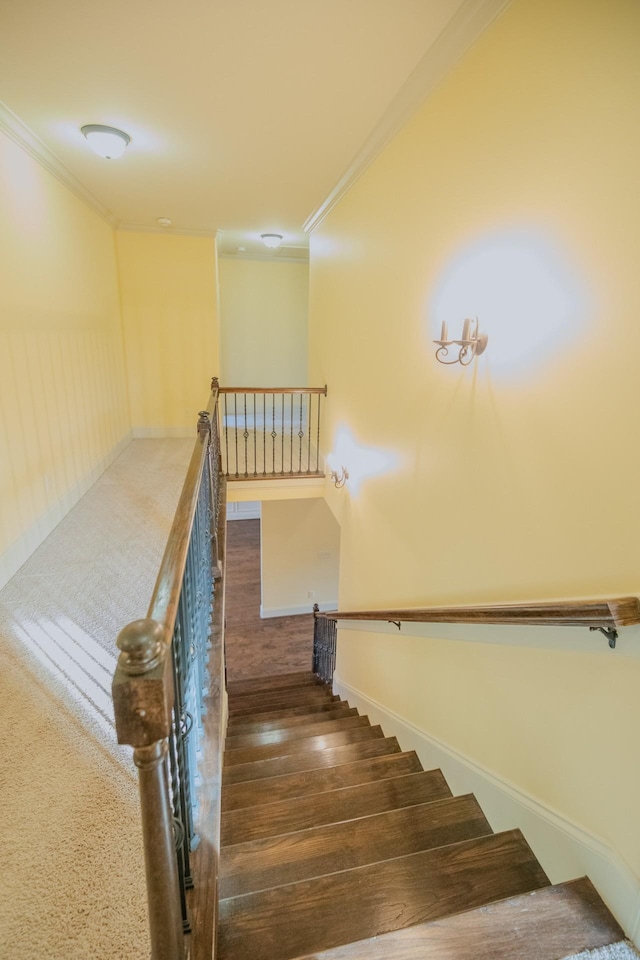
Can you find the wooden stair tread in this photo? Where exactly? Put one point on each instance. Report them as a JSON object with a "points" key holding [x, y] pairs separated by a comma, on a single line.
{"points": [[347, 803], [301, 745], [282, 734], [274, 681], [254, 703], [305, 709], [253, 725], [254, 792], [545, 924], [367, 901], [314, 760], [259, 864]]}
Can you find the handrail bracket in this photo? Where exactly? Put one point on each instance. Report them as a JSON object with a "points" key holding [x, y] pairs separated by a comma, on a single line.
{"points": [[610, 633]]}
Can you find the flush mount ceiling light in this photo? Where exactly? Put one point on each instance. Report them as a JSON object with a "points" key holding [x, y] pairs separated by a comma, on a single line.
{"points": [[271, 240], [164, 222], [107, 142]]}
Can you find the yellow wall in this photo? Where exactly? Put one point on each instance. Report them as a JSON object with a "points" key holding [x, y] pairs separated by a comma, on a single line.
{"points": [[63, 404], [300, 545], [513, 194], [168, 287], [264, 312]]}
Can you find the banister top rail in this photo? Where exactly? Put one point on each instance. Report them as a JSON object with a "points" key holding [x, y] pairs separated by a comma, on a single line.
{"points": [[321, 390], [166, 594], [603, 615]]}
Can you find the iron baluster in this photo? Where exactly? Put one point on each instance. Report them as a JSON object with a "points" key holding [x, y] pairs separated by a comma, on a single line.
{"points": [[235, 427], [273, 432], [255, 439], [300, 438], [246, 438], [309, 408]]}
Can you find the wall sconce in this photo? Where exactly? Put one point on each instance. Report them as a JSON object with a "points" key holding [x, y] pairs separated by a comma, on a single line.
{"points": [[471, 345], [340, 478]]}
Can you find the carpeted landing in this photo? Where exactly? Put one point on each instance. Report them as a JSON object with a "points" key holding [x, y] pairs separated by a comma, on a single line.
{"points": [[615, 951], [71, 870]]}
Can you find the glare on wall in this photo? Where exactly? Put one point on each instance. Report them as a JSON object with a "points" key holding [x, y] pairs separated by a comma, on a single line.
{"points": [[527, 295], [361, 462]]}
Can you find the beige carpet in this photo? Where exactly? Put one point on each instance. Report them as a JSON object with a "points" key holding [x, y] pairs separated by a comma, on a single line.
{"points": [[71, 869], [616, 951]]}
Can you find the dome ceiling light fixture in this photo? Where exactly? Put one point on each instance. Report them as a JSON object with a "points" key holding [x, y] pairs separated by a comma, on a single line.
{"points": [[164, 222], [271, 240], [107, 142]]}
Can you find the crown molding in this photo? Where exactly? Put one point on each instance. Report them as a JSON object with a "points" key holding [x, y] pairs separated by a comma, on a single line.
{"points": [[21, 134], [167, 231], [464, 28]]}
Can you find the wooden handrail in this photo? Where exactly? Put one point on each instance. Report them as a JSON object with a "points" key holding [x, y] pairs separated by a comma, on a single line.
{"points": [[166, 594], [321, 390], [603, 615]]}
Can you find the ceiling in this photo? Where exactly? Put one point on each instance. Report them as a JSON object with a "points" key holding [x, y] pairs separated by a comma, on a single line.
{"points": [[244, 115]]}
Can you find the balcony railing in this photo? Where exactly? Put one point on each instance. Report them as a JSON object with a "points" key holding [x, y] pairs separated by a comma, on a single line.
{"points": [[270, 433]]}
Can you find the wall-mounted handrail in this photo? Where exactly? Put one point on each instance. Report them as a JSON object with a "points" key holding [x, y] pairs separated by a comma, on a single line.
{"points": [[604, 615], [160, 684]]}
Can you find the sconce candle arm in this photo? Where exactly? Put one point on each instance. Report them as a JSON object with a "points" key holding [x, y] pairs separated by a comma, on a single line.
{"points": [[471, 345]]}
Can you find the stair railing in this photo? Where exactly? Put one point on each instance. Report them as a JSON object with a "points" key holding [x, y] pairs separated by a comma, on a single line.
{"points": [[161, 681], [325, 634], [606, 616], [270, 433]]}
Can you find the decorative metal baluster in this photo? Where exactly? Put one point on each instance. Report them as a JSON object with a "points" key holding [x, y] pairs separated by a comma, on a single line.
{"points": [[226, 435], [300, 438], [273, 432], [291, 434], [179, 828], [235, 427], [309, 406], [255, 439], [282, 422], [246, 438], [318, 439], [185, 719], [264, 434]]}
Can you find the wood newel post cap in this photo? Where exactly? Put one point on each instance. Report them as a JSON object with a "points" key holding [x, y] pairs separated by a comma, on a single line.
{"points": [[142, 644], [204, 423]]}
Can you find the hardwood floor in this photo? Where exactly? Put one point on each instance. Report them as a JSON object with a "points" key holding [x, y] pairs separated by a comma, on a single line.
{"points": [[255, 647]]}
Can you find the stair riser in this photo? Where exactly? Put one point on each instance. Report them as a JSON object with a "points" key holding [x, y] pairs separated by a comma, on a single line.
{"points": [[278, 682], [257, 792], [251, 754], [316, 760], [255, 725], [281, 735], [348, 803], [358, 904], [300, 856], [546, 924], [241, 706]]}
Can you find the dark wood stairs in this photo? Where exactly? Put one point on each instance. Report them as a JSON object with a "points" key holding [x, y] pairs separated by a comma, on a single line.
{"points": [[337, 845]]}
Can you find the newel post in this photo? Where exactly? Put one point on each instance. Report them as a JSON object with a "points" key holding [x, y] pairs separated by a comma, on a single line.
{"points": [[143, 700]]}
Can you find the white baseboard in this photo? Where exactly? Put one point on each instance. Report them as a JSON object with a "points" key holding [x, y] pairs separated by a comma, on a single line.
{"points": [[20, 551], [564, 849], [267, 612], [163, 433]]}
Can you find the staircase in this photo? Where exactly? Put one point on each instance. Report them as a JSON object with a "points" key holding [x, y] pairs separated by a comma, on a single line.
{"points": [[337, 845]]}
